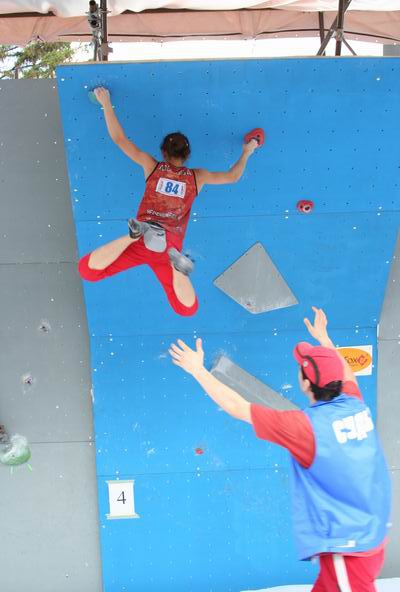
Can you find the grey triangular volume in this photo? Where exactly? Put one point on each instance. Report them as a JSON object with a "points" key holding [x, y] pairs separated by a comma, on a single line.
{"points": [[255, 283], [249, 387]]}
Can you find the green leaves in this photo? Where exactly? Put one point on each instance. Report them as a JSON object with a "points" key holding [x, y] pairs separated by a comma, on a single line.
{"points": [[36, 60]]}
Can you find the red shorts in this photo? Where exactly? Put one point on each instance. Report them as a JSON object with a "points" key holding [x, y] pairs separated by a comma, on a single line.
{"points": [[138, 254], [348, 573]]}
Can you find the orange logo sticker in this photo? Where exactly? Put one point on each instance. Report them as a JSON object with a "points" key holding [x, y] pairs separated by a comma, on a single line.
{"points": [[358, 359]]}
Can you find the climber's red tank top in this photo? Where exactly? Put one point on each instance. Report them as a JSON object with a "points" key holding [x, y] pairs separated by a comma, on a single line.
{"points": [[168, 198]]}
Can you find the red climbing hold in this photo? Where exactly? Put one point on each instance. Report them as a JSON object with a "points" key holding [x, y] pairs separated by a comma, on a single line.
{"points": [[305, 206], [199, 451], [256, 134]]}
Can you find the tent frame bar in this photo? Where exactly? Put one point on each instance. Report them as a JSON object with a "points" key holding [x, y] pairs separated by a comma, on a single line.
{"points": [[320, 28], [339, 30], [321, 22], [105, 48], [336, 30], [97, 18]]}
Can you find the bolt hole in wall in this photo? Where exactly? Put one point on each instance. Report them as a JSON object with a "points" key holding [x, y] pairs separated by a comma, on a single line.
{"points": [[44, 327], [28, 381]]}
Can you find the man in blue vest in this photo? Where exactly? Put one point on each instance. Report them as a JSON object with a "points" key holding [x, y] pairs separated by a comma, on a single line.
{"points": [[341, 486]]}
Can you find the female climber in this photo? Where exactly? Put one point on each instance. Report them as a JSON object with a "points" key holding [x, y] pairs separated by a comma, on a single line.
{"points": [[155, 237]]}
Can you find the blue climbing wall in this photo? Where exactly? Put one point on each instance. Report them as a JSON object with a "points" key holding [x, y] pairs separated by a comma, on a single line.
{"points": [[220, 521]]}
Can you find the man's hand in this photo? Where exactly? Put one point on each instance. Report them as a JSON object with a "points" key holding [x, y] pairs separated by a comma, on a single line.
{"points": [[318, 329], [192, 361], [102, 95], [250, 147]]}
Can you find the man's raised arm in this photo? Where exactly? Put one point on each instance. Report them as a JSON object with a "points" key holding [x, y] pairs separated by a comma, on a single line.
{"points": [[319, 331], [192, 361]]}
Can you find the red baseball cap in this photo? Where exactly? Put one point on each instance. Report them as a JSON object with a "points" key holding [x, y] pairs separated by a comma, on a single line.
{"points": [[321, 365]]}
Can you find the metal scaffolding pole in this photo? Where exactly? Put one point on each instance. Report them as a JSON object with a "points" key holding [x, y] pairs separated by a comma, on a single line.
{"points": [[321, 22], [321, 26], [339, 29], [105, 49], [347, 44], [97, 17], [334, 26]]}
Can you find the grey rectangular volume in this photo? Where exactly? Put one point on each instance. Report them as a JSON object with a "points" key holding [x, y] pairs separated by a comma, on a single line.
{"points": [[391, 567], [389, 364], [391, 50], [49, 529], [249, 387], [389, 324], [36, 219], [389, 400], [49, 518]]}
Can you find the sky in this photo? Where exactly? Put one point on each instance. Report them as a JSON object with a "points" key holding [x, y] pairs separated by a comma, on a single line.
{"points": [[248, 48]]}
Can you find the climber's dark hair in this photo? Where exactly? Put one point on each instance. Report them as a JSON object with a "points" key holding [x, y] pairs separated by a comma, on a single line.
{"points": [[324, 393], [176, 145]]}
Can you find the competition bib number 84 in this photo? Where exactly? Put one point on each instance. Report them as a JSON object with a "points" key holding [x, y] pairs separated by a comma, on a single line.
{"points": [[172, 188]]}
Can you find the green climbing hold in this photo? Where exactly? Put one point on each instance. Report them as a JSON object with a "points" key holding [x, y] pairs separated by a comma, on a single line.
{"points": [[92, 98], [15, 451]]}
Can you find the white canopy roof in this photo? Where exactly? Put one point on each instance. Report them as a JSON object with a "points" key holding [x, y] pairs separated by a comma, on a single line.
{"points": [[132, 20], [68, 8]]}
